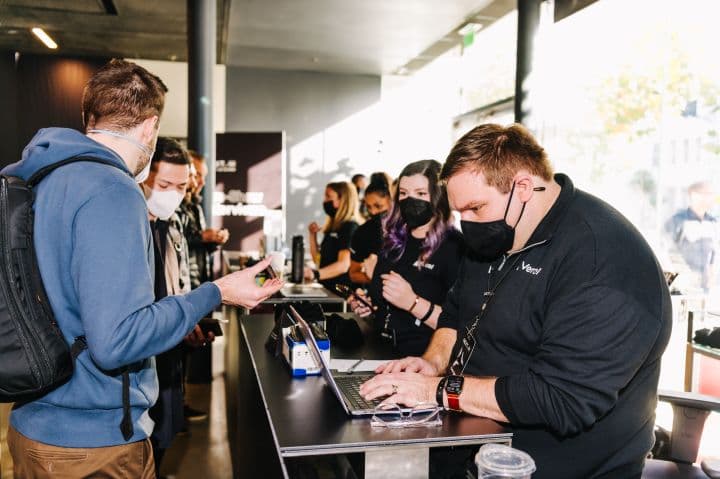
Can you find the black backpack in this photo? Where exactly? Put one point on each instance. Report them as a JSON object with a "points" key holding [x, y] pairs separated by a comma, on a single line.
{"points": [[34, 357]]}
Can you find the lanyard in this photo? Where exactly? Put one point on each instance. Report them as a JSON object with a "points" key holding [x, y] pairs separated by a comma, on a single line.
{"points": [[467, 345]]}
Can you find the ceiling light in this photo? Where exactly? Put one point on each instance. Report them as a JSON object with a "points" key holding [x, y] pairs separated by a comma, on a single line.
{"points": [[45, 38], [470, 28]]}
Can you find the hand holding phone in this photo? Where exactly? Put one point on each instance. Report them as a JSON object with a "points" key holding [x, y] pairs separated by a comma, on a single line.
{"points": [[270, 272], [210, 325], [353, 297]]}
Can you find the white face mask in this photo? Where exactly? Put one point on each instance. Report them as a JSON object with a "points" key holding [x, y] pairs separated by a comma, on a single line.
{"points": [[162, 204], [145, 172]]}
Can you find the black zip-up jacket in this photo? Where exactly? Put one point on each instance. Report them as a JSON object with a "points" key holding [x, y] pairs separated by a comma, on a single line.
{"points": [[575, 333]]}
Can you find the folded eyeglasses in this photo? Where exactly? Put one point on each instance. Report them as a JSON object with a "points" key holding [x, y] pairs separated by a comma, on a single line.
{"points": [[393, 416]]}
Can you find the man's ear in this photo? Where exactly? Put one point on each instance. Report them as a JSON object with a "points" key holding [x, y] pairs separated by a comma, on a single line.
{"points": [[524, 186], [149, 128]]}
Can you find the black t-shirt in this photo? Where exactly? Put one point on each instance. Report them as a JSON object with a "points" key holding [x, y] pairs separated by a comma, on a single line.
{"points": [[367, 239], [431, 281], [332, 243]]}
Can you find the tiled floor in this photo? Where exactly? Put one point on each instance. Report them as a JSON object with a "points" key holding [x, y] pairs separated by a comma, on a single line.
{"points": [[203, 453]]}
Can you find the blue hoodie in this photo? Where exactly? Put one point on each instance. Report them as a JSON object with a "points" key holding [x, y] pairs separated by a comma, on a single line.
{"points": [[94, 250]]}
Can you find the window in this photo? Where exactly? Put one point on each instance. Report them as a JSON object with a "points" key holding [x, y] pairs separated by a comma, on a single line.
{"points": [[487, 71], [628, 105]]}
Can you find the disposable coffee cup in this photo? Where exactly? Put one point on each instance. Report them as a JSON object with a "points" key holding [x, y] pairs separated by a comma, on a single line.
{"points": [[497, 461]]}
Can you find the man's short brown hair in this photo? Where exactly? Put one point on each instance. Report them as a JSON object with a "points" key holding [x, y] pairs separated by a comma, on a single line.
{"points": [[498, 152], [121, 95]]}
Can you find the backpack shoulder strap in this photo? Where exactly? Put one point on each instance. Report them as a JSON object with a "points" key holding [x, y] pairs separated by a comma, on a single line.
{"points": [[78, 346], [38, 176]]}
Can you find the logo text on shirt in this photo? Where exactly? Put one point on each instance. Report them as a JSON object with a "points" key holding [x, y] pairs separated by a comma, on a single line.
{"points": [[528, 268], [418, 264]]}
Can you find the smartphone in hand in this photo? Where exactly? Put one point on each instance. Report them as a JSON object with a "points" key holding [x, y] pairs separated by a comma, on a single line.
{"points": [[345, 291], [270, 272], [210, 325]]}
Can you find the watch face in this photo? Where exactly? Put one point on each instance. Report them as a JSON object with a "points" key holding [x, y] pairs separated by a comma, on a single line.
{"points": [[454, 384]]}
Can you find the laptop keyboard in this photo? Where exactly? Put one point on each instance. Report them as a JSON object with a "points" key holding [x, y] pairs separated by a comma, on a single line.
{"points": [[350, 386]]}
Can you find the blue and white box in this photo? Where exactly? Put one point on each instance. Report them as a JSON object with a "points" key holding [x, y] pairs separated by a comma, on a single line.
{"points": [[300, 359]]}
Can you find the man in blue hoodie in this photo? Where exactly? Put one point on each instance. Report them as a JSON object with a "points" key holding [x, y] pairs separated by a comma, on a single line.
{"points": [[95, 253]]}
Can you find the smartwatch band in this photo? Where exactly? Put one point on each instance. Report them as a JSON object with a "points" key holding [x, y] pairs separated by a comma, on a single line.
{"points": [[453, 388], [439, 392]]}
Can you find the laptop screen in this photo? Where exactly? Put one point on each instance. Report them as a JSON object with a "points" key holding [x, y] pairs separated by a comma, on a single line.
{"points": [[319, 358]]}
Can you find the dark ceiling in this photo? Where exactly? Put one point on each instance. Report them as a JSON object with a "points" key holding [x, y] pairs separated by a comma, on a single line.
{"points": [[151, 29], [351, 36], [345, 36]]}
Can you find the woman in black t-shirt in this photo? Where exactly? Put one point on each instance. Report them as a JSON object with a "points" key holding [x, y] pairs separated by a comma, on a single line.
{"points": [[333, 256], [418, 262], [367, 240]]}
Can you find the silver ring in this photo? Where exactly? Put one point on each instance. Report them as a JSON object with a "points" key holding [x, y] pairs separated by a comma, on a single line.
{"points": [[394, 388]]}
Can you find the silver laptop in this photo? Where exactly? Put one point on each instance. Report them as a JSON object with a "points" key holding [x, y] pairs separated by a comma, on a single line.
{"points": [[345, 386]]}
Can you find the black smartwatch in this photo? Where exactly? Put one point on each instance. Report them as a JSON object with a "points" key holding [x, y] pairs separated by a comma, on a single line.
{"points": [[316, 275], [453, 388]]}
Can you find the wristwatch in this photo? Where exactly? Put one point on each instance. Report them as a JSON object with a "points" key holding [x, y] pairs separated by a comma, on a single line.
{"points": [[453, 388]]}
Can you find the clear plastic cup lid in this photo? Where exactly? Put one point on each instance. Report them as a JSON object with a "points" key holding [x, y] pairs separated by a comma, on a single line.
{"points": [[504, 461]]}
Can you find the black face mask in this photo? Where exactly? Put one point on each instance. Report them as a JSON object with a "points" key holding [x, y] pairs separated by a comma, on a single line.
{"points": [[487, 241], [380, 215], [415, 212], [329, 209]]}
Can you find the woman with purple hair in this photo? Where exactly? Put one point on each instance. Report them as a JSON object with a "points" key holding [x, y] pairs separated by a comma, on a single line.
{"points": [[418, 262]]}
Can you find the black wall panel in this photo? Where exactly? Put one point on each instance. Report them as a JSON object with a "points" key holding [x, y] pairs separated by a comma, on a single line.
{"points": [[38, 91]]}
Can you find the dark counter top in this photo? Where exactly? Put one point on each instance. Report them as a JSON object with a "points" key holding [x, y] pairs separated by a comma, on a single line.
{"points": [[307, 419]]}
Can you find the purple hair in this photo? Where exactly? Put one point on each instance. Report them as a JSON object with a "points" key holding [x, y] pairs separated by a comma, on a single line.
{"points": [[394, 226]]}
